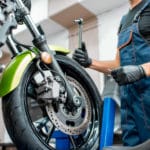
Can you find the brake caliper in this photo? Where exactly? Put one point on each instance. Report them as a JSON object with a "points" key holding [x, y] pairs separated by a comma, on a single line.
{"points": [[49, 87]]}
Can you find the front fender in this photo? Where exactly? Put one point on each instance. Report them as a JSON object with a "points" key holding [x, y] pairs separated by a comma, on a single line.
{"points": [[59, 49], [12, 74]]}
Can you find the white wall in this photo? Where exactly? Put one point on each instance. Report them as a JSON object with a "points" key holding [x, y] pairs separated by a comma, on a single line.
{"points": [[108, 28], [58, 5], [60, 38], [39, 10]]}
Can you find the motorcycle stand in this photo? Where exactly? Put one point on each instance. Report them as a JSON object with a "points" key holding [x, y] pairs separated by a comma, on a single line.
{"points": [[62, 141], [106, 137]]}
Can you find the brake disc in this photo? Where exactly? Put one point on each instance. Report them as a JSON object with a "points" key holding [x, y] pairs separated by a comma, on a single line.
{"points": [[72, 122]]}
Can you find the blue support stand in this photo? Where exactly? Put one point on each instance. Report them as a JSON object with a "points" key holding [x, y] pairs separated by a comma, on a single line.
{"points": [[107, 123], [62, 141]]}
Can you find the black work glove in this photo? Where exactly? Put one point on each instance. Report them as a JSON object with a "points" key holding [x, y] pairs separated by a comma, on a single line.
{"points": [[81, 56], [128, 74]]}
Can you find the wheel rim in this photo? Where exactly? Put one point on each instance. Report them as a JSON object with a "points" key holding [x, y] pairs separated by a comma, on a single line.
{"points": [[44, 128]]}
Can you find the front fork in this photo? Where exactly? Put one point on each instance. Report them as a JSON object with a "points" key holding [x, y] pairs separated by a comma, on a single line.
{"points": [[40, 42]]}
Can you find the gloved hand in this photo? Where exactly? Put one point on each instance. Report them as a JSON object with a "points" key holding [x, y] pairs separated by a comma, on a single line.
{"points": [[128, 74], [81, 56]]}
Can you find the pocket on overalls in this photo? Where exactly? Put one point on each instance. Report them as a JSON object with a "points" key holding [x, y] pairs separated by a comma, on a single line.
{"points": [[125, 48], [124, 40]]}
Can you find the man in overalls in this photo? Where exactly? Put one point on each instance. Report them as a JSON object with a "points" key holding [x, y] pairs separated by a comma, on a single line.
{"points": [[130, 65]]}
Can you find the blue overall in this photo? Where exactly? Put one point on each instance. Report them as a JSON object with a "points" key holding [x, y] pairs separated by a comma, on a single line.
{"points": [[135, 98]]}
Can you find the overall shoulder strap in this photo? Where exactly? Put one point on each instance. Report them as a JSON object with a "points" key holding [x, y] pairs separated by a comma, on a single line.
{"points": [[136, 17]]}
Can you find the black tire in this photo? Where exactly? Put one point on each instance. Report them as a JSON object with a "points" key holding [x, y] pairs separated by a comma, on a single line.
{"points": [[18, 114]]}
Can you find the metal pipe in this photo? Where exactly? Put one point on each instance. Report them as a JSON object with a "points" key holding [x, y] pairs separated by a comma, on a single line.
{"points": [[80, 27]]}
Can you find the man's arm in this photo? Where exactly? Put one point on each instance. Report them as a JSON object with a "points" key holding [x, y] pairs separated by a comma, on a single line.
{"points": [[146, 68], [81, 56], [105, 66]]}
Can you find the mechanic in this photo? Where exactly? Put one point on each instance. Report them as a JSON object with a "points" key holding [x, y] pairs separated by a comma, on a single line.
{"points": [[130, 69]]}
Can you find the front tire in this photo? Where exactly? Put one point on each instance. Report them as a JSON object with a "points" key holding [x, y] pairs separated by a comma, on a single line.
{"points": [[28, 123]]}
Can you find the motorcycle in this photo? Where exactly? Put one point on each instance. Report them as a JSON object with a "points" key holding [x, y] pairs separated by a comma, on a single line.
{"points": [[43, 90]]}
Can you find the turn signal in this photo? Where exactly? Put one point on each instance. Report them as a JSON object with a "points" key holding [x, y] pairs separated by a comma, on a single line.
{"points": [[46, 58]]}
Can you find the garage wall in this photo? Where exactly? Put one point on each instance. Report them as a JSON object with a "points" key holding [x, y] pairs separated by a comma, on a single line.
{"points": [[108, 28], [60, 38]]}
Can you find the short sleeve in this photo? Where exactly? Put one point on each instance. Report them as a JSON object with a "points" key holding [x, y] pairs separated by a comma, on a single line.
{"points": [[121, 23]]}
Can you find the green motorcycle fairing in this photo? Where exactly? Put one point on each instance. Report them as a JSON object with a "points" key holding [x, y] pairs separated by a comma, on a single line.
{"points": [[12, 74], [59, 49]]}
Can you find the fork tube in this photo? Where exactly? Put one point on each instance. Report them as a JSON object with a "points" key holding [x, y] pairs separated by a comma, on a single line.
{"points": [[28, 20]]}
